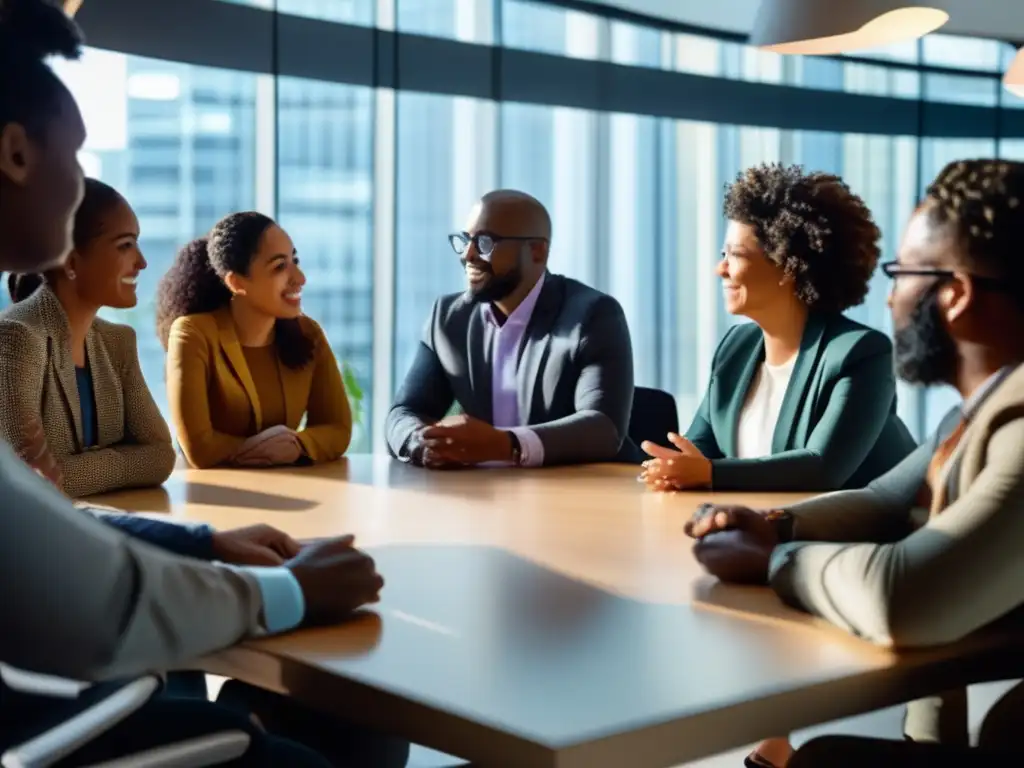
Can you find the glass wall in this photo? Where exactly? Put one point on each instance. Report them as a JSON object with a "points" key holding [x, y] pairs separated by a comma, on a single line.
{"points": [[627, 133]]}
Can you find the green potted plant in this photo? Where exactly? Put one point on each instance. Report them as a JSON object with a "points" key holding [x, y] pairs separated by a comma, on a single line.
{"points": [[355, 393]]}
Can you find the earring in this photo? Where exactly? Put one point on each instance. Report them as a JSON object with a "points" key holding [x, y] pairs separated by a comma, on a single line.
{"points": [[70, 273]]}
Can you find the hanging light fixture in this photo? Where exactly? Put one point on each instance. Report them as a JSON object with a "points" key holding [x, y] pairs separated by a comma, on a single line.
{"points": [[816, 27], [1013, 80]]}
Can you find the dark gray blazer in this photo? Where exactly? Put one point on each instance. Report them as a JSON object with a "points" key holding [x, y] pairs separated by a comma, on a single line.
{"points": [[575, 374]]}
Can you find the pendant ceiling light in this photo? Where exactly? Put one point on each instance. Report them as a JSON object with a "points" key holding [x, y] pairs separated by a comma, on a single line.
{"points": [[837, 26], [1013, 80]]}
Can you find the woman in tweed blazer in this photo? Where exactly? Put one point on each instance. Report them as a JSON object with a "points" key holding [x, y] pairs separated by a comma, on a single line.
{"points": [[75, 376]]}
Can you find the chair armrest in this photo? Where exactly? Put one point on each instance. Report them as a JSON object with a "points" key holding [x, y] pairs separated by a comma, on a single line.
{"points": [[37, 684], [215, 749], [63, 739]]}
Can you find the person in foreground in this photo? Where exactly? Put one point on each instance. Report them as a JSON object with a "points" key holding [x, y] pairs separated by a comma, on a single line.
{"points": [[802, 397], [856, 557], [116, 606], [79, 376], [244, 365], [540, 365]]}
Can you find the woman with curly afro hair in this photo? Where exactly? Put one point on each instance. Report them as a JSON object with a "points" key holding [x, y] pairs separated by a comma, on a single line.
{"points": [[802, 398], [244, 365]]}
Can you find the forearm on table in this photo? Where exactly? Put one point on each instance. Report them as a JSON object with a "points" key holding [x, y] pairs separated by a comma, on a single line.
{"points": [[850, 516], [283, 602], [128, 606], [791, 471], [210, 448], [126, 465], [325, 442], [582, 437], [402, 424], [878, 513], [960, 572]]}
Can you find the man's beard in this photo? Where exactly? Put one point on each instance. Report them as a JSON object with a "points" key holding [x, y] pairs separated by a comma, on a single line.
{"points": [[497, 287], [925, 352]]}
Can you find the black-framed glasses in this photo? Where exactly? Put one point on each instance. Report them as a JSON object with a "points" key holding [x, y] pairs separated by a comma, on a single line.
{"points": [[894, 269], [484, 242]]}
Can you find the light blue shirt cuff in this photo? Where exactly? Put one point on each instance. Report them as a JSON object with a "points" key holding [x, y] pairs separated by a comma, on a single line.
{"points": [[531, 446], [283, 603]]}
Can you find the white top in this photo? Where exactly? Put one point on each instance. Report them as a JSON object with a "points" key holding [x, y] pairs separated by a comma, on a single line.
{"points": [[761, 410]]}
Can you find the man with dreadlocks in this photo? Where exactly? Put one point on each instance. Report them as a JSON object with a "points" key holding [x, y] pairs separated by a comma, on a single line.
{"points": [[958, 313]]}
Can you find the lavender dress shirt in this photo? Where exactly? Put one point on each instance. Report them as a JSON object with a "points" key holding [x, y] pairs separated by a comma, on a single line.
{"points": [[508, 339]]}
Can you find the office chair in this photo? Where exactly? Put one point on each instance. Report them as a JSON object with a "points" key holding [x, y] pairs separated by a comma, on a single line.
{"points": [[653, 416], [58, 742]]}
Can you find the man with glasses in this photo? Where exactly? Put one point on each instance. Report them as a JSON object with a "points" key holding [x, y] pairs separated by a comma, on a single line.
{"points": [[540, 366], [933, 549]]}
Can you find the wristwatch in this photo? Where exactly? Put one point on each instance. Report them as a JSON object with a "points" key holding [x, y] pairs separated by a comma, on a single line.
{"points": [[783, 522], [517, 449]]}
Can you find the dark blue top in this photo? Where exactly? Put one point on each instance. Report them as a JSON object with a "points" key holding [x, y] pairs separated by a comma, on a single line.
{"points": [[87, 403], [191, 541], [188, 540]]}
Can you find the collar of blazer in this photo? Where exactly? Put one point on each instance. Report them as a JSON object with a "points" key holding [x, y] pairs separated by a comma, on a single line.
{"points": [[803, 371], [294, 403], [46, 307], [1003, 402]]}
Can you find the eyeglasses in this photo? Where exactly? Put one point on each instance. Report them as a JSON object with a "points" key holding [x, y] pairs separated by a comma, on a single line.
{"points": [[894, 269], [484, 242]]}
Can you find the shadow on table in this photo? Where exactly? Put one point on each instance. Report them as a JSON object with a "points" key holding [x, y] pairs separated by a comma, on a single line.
{"points": [[151, 501], [751, 602], [222, 496], [462, 483], [160, 501]]}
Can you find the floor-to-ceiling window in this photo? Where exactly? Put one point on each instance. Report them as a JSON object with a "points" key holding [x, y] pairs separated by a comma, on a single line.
{"points": [[627, 132]]}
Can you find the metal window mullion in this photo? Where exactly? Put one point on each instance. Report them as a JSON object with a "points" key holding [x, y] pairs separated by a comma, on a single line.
{"points": [[384, 182]]}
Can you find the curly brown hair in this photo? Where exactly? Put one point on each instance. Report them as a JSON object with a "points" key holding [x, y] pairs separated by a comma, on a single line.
{"points": [[983, 202], [812, 226], [195, 282]]}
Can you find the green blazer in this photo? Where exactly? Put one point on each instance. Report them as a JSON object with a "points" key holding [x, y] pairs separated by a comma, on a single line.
{"points": [[838, 426]]}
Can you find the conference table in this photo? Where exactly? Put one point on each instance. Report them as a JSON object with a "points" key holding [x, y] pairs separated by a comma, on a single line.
{"points": [[550, 617]]}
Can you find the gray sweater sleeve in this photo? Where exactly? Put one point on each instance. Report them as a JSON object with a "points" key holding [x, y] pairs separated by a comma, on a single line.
{"points": [[879, 512], [83, 600], [603, 396], [959, 572]]}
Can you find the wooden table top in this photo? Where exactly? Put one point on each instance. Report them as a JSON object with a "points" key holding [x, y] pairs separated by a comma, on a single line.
{"points": [[543, 617]]}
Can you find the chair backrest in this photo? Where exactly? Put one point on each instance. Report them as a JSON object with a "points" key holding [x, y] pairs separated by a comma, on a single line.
{"points": [[654, 415]]}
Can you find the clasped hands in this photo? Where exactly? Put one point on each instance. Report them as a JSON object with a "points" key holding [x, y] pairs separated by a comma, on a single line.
{"points": [[733, 543], [335, 577], [273, 447], [675, 470], [459, 441]]}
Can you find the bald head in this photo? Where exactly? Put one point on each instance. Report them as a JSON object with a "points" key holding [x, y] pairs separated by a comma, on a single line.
{"points": [[523, 215]]}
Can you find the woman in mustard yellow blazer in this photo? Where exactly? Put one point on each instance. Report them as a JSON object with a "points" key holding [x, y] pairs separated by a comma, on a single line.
{"points": [[244, 365]]}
